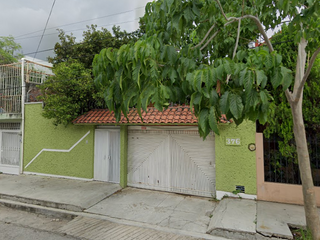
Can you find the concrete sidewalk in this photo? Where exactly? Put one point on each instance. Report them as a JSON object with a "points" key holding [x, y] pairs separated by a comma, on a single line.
{"points": [[187, 215]]}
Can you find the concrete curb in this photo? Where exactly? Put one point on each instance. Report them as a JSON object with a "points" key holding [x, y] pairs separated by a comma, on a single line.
{"points": [[43, 203], [53, 212]]}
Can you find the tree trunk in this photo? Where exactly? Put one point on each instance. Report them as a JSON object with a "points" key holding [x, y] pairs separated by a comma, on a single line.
{"points": [[309, 197]]}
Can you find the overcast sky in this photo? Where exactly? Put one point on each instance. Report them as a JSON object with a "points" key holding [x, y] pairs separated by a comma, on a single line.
{"points": [[25, 20]]}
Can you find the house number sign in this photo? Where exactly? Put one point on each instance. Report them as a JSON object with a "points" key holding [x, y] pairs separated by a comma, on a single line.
{"points": [[232, 141]]}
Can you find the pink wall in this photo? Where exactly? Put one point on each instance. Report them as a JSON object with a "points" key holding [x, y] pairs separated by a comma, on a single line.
{"points": [[276, 192]]}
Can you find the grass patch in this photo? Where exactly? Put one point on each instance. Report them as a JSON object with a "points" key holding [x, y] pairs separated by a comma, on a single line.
{"points": [[301, 234]]}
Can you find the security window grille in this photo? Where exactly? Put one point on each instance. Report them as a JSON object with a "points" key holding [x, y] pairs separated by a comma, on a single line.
{"points": [[10, 126]]}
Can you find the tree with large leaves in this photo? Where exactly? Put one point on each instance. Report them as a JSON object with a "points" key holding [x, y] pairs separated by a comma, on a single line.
{"points": [[70, 91], [191, 49], [93, 42], [280, 118], [9, 50]]}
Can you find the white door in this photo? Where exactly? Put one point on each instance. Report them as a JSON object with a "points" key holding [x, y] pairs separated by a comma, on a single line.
{"points": [[171, 160], [10, 151], [107, 155]]}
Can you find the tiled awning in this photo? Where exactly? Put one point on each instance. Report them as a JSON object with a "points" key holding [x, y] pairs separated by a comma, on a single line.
{"points": [[171, 115]]}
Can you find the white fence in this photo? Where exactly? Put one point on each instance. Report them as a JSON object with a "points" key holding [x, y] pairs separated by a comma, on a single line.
{"points": [[11, 83]]}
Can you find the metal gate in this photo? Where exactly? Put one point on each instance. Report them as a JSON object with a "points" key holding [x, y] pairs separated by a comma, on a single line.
{"points": [[107, 155], [171, 160], [10, 151]]}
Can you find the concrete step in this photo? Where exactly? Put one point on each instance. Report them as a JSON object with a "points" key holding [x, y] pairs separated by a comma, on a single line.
{"points": [[234, 218], [274, 219], [44, 203]]}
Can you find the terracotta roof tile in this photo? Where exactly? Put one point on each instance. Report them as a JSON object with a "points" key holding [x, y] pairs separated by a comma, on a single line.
{"points": [[176, 115], [171, 115]]}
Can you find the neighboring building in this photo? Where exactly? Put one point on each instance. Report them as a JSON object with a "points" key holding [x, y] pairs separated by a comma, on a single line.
{"points": [[17, 84], [163, 152]]}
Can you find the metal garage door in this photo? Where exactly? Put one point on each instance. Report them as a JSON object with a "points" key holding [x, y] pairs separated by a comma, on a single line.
{"points": [[171, 159]]}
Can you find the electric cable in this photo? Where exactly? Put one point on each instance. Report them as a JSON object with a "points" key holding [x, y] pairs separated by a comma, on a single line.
{"points": [[68, 24], [79, 29], [54, 1]]}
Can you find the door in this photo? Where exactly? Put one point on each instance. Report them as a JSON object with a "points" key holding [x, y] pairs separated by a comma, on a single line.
{"points": [[171, 160], [10, 151], [107, 155]]}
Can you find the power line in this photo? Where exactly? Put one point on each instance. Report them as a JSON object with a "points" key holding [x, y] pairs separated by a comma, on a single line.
{"points": [[79, 29], [68, 24], [54, 1], [45, 50]]}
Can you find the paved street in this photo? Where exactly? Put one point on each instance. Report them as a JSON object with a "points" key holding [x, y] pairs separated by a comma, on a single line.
{"points": [[15, 232], [20, 225]]}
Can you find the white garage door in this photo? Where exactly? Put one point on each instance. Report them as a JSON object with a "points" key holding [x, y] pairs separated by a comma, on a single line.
{"points": [[171, 159], [107, 155]]}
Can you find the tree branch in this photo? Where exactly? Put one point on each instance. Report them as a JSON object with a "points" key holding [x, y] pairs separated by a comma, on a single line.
{"points": [[306, 75], [215, 34], [205, 37], [237, 41], [212, 37], [260, 27], [235, 47], [255, 19], [221, 9], [289, 95]]}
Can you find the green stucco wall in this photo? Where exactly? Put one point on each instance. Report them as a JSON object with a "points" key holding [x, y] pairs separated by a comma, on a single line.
{"points": [[123, 155], [40, 133], [236, 165]]}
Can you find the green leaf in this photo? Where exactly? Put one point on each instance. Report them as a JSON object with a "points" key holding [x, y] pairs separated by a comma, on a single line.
{"points": [[197, 98], [185, 87], [172, 54], [261, 77], [220, 72], [242, 76], [213, 120], [119, 76], [268, 62], [264, 97], [203, 119], [165, 91], [190, 78], [227, 67], [241, 55], [110, 54], [136, 73], [169, 3], [213, 97], [173, 75], [188, 14], [252, 99], [224, 103], [197, 82], [205, 92], [287, 77], [236, 105], [127, 98], [276, 77], [248, 80], [278, 59], [192, 100]]}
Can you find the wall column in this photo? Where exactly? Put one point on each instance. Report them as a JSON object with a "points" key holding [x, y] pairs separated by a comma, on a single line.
{"points": [[123, 155]]}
